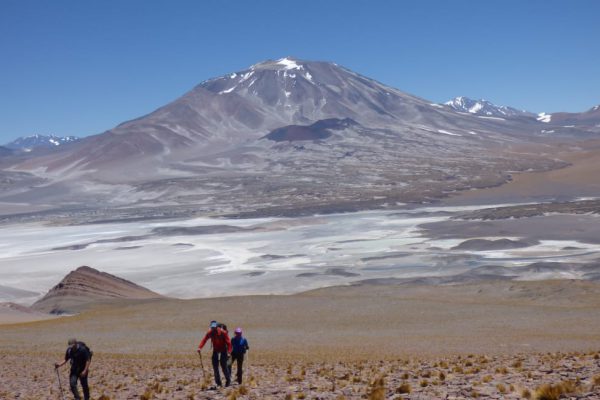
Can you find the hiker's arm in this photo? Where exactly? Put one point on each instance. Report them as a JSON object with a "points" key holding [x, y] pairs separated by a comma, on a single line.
{"points": [[64, 361], [202, 343], [87, 366], [229, 345]]}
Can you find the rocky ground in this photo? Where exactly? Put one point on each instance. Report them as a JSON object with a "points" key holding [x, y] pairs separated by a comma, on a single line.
{"points": [[521, 376]]}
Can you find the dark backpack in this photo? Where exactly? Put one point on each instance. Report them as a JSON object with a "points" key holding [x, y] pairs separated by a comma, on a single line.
{"points": [[85, 346], [222, 326]]}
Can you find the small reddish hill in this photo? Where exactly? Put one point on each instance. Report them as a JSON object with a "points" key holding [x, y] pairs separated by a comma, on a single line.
{"points": [[87, 285]]}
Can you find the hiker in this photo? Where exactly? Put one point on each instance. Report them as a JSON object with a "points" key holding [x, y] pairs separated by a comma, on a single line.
{"points": [[221, 345], [81, 357], [240, 346]]}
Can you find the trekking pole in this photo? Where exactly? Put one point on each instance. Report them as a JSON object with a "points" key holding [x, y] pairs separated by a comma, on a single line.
{"points": [[248, 364], [202, 365], [62, 394]]}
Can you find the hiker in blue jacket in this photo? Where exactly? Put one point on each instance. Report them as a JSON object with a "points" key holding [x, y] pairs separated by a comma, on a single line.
{"points": [[240, 346]]}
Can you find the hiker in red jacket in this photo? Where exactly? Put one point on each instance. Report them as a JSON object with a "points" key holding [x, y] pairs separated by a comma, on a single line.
{"points": [[221, 345]]}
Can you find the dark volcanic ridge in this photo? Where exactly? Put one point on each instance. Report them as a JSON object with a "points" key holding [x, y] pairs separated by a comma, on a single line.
{"points": [[320, 130], [86, 285]]}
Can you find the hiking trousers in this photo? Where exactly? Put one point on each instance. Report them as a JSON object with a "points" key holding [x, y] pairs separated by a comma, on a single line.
{"points": [[239, 359], [84, 384], [221, 358]]}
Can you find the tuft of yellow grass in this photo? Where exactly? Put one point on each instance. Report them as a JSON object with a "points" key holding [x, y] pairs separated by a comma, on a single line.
{"points": [[554, 392], [501, 388], [442, 376], [377, 389], [404, 388]]}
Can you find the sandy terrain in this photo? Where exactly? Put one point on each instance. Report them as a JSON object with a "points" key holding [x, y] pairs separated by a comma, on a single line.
{"points": [[335, 334], [580, 179], [11, 313]]}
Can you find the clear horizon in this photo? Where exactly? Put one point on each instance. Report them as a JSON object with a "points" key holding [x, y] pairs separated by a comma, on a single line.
{"points": [[73, 68]]}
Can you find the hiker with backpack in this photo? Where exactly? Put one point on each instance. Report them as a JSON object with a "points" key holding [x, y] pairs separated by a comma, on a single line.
{"points": [[240, 346], [222, 348], [80, 357]]}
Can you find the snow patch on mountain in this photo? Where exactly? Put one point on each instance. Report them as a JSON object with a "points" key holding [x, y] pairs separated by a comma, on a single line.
{"points": [[289, 63], [543, 117], [448, 133]]}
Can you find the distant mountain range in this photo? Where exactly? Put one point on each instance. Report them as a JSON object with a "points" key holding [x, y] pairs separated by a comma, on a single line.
{"points": [[587, 119], [29, 143], [486, 108], [293, 134]]}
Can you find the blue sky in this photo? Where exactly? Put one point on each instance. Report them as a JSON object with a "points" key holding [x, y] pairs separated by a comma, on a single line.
{"points": [[82, 67]]}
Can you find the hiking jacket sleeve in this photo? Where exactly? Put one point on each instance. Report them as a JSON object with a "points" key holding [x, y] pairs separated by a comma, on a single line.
{"points": [[203, 342], [228, 341]]}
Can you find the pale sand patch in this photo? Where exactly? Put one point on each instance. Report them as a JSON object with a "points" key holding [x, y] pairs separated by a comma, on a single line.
{"points": [[579, 179]]}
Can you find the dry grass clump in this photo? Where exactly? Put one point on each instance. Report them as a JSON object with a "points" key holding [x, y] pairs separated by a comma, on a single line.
{"points": [[404, 388], [502, 370], [554, 392], [147, 395], [526, 393], [442, 376], [377, 389]]}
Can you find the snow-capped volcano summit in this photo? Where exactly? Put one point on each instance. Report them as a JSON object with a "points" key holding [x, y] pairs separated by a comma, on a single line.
{"points": [[286, 63], [288, 133], [485, 108]]}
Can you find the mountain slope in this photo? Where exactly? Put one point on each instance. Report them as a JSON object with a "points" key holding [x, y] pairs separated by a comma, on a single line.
{"points": [[4, 151], [86, 285], [589, 118], [225, 147], [242, 106]]}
